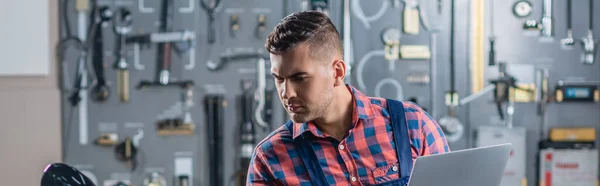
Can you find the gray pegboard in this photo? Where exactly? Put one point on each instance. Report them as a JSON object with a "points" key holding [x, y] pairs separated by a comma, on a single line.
{"points": [[514, 46]]}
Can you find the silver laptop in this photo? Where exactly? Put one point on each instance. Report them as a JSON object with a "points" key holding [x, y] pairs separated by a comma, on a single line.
{"points": [[483, 166]]}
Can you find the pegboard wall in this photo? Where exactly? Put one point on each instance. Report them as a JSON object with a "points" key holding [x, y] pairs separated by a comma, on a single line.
{"points": [[420, 73]]}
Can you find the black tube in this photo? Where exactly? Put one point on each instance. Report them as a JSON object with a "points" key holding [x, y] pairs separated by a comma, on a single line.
{"points": [[591, 15], [214, 116], [569, 5], [452, 69], [247, 130]]}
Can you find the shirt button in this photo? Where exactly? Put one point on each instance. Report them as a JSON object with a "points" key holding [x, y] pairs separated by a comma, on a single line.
{"points": [[341, 147], [353, 179], [395, 168]]}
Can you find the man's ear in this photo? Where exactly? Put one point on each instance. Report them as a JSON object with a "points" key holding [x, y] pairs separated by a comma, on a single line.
{"points": [[339, 72]]}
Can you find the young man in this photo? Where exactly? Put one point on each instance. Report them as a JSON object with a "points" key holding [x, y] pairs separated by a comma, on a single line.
{"points": [[337, 135]]}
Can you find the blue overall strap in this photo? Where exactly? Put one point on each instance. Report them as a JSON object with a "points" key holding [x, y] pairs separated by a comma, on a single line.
{"points": [[401, 139], [307, 153]]}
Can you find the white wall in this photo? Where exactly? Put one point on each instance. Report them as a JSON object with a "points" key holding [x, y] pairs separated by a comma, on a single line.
{"points": [[29, 105]]}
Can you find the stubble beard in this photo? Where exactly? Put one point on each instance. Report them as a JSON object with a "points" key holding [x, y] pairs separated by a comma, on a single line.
{"points": [[314, 112]]}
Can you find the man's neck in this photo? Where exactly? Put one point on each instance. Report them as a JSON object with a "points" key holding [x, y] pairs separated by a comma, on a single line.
{"points": [[339, 116]]}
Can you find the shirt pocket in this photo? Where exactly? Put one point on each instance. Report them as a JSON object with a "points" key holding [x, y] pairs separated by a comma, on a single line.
{"points": [[386, 173]]}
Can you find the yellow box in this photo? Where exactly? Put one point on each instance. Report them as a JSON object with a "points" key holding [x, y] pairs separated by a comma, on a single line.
{"points": [[583, 134]]}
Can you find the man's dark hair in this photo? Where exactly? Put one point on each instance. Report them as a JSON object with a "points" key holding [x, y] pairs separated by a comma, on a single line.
{"points": [[312, 27]]}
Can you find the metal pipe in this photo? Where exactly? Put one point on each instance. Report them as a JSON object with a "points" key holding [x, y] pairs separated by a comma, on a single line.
{"points": [[547, 19], [347, 41], [433, 73]]}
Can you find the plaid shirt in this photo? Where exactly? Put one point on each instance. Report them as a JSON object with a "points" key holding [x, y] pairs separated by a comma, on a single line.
{"points": [[366, 154]]}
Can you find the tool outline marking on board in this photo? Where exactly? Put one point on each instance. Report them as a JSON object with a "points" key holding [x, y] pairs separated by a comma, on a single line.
{"points": [[188, 9], [143, 9], [192, 57], [358, 12], [136, 57], [392, 81], [361, 64]]}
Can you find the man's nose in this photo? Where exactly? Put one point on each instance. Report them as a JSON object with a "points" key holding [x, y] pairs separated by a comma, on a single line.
{"points": [[287, 90]]}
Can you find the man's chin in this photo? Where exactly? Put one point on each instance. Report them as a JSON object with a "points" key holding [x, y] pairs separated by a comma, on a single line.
{"points": [[299, 118]]}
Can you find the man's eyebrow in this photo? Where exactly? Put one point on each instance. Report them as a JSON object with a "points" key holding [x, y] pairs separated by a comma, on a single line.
{"points": [[274, 74], [293, 75]]}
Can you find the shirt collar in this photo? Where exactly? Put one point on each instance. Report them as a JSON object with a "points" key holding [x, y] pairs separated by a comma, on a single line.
{"points": [[361, 109]]}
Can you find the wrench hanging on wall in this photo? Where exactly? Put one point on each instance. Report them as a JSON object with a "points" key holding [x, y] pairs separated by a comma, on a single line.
{"points": [[101, 91], [211, 9], [215, 107], [589, 44], [122, 26]]}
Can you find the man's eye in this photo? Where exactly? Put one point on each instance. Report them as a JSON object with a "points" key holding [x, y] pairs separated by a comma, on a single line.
{"points": [[300, 78], [279, 79]]}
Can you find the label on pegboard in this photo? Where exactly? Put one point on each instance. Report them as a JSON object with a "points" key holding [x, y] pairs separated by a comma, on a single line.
{"points": [[515, 167], [572, 167]]}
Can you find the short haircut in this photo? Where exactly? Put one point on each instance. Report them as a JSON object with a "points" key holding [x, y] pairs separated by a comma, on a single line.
{"points": [[311, 27]]}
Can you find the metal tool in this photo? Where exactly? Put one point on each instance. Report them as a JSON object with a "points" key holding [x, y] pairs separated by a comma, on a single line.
{"points": [[122, 25], [391, 39], [320, 5], [164, 49], [531, 25], [127, 152], [247, 131], [414, 52], [305, 5], [433, 42], [101, 90], [522, 8], [547, 19], [231, 57], [259, 94], [451, 125], [492, 37], [167, 40], [439, 6], [211, 10], [214, 107], [542, 93], [155, 179], [188, 99], [261, 27], [184, 180], [396, 3], [234, 23], [589, 44], [569, 41], [411, 17], [347, 40]]}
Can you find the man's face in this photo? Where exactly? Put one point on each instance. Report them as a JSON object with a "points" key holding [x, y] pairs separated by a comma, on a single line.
{"points": [[304, 85]]}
